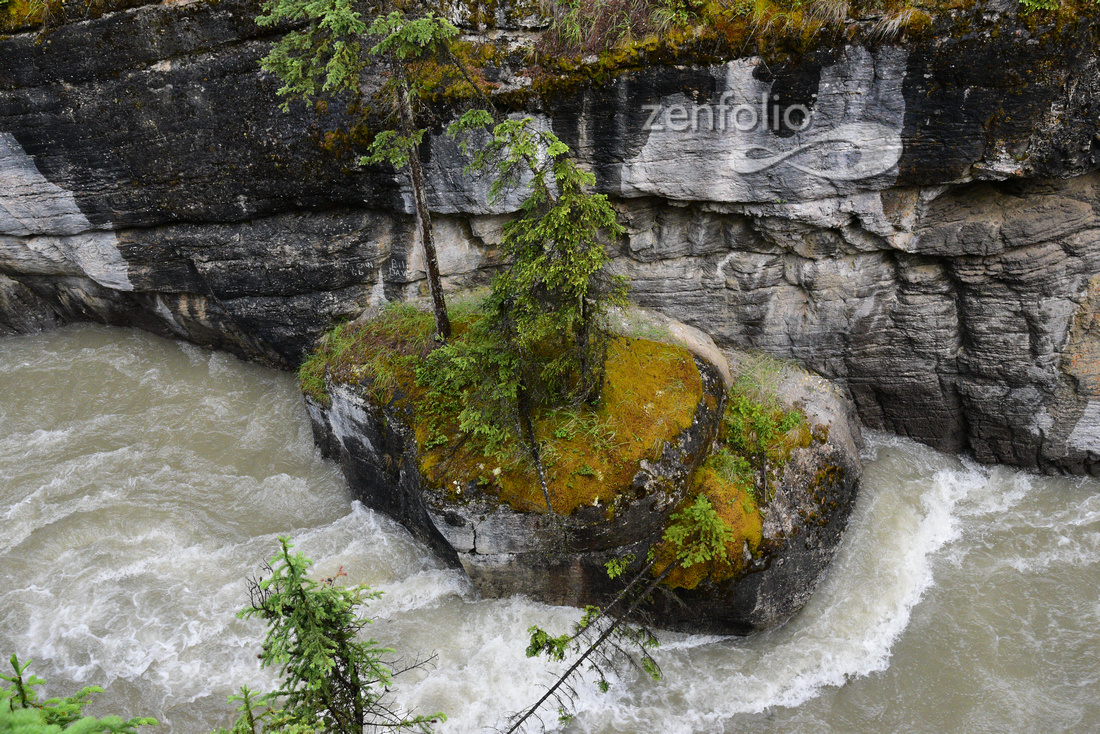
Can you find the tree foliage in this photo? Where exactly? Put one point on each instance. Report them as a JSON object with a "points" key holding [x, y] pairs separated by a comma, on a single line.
{"points": [[543, 343], [22, 712], [697, 534], [323, 56], [326, 57], [540, 340], [332, 681], [404, 43], [603, 640], [412, 38], [552, 300], [476, 378]]}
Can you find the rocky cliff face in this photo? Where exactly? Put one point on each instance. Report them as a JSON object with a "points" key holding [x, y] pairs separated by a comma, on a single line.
{"points": [[922, 226]]}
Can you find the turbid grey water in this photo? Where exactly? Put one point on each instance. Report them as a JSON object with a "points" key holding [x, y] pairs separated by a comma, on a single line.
{"points": [[141, 480]]}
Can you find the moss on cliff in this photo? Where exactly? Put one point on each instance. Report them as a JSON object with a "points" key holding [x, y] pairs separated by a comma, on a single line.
{"points": [[382, 352], [586, 28], [28, 15], [733, 501], [16, 15], [590, 42]]}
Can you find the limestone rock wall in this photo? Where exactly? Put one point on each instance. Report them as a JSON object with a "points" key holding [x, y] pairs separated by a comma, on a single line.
{"points": [[928, 239]]}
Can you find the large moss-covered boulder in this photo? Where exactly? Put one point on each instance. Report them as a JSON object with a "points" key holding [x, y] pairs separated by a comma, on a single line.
{"points": [[614, 471], [665, 432]]}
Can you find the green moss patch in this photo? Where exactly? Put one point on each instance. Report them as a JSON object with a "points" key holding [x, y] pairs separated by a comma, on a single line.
{"points": [[733, 502], [29, 15], [16, 15], [755, 442], [590, 453], [382, 352]]}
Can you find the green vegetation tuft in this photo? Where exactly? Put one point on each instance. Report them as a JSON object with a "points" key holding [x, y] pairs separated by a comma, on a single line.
{"points": [[22, 712], [726, 509], [759, 377], [755, 441], [731, 468], [755, 430], [381, 352], [699, 534]]}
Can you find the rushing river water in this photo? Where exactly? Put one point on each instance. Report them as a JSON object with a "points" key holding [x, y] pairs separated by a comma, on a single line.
{"points": [[142, 480]]}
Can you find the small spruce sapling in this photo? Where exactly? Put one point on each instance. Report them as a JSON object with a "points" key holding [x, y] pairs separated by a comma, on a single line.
{"points": [[332, 681], [543, 332], [552, 300]]}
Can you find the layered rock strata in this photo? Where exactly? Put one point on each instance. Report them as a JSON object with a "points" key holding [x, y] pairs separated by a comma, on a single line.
{"points": [[927, 236]]}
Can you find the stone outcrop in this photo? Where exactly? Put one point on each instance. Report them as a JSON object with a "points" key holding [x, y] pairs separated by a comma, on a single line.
{"points": [[556, 559], [560, 559], [21, 311], [814, 494], [929, 240]]}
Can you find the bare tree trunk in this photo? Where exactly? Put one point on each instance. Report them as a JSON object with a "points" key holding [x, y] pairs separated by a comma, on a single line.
{"points": [[529, 429], [424, 222], [618, 619]]}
